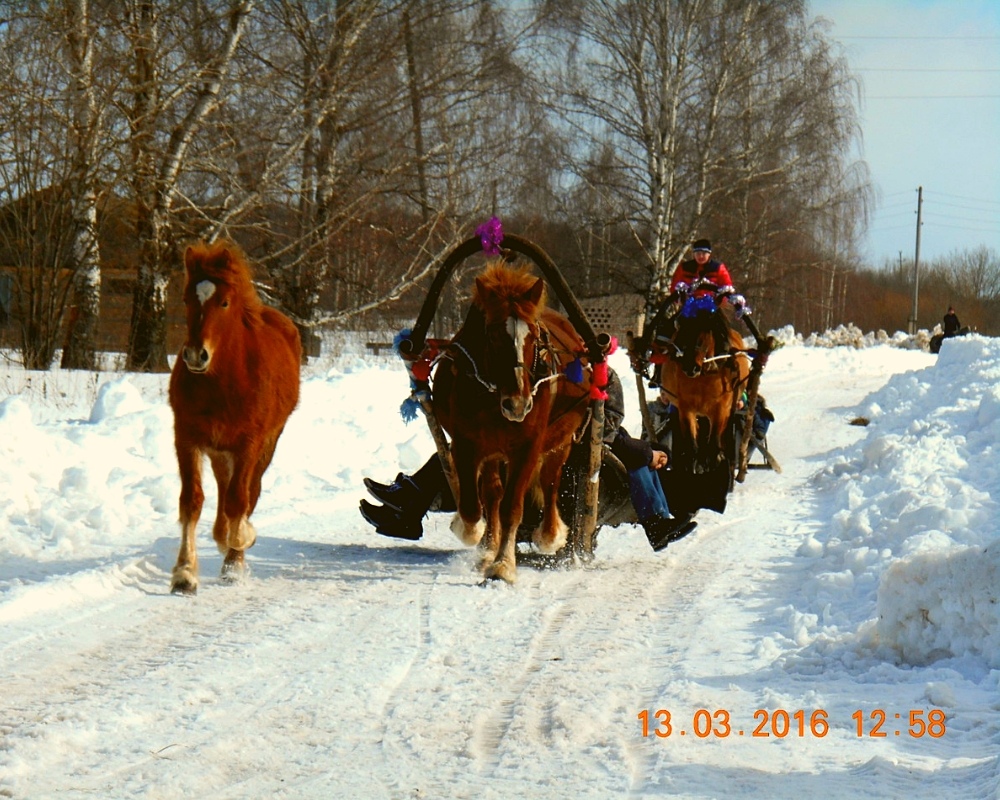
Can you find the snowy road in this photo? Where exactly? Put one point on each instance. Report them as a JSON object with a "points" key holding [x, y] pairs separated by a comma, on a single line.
{"points": [[355, 666]]}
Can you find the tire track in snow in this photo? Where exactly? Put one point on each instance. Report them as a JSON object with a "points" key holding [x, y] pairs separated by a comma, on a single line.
{"points": [[393, 747], [490, 729], [111, 652], [678, 599]]}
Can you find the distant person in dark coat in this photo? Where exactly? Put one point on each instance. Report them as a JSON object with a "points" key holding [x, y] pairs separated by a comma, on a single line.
{"points": [[951, 324]]}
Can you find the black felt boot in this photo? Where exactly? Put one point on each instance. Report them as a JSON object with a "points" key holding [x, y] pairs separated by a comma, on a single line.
{"points": [[402, 494], [389, 521], [661, 531]]}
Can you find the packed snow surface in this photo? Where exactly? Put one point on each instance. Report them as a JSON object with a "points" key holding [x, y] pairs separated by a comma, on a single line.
{"points": [[836, 633]]}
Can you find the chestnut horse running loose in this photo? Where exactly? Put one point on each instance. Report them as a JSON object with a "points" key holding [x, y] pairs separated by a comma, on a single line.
{"points": [[511, 414], [232, 388], [703, 386]]}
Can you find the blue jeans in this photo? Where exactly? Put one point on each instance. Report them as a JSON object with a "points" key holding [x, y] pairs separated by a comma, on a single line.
{"points": [[647, 494]]}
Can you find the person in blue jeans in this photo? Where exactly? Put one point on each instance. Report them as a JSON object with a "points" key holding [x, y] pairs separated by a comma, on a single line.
{"points": [[407, 499]]}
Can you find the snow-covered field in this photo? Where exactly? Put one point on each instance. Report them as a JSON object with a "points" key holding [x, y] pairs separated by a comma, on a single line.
{"points": [[835, 634]]}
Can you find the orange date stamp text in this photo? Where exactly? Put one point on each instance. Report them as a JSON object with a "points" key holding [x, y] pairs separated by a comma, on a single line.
{"points": [[778, 723]]}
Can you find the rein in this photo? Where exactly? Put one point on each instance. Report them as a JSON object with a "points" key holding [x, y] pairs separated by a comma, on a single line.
{"points": [[545, 353], [731, 354], [490, 387]]}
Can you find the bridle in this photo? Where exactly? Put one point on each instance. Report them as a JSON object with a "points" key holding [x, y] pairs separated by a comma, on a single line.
{"points": [[544, 363]]}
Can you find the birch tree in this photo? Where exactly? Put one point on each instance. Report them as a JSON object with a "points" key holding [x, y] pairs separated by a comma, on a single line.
{"points": [[46, 207], [85, 136], [168, 108], [716, 110]]}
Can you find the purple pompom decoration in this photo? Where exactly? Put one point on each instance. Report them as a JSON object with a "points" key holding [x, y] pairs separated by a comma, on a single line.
{"points": [[491, 234]]}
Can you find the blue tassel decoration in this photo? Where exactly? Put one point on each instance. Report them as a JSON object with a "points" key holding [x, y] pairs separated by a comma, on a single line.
{"points": [[408, 410], [398, 339], [574, 371]]}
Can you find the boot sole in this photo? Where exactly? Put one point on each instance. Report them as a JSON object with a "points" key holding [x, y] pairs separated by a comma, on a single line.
{"points": [[410, 537], [674, 535]]}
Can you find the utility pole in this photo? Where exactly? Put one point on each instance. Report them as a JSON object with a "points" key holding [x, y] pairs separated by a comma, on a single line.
{"points": [[916, 264]]}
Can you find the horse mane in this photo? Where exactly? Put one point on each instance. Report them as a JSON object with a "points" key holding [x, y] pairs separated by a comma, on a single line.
{"points": [[500, 287], [224, 262]]}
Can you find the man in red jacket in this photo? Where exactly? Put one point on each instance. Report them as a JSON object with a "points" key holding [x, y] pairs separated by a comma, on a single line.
{"points": [[703, 267]]}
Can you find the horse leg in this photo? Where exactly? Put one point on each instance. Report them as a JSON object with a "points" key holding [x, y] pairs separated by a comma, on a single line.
{"points": [[551, 535], [222, 468], [719, 420], [468, 523], [240, 534], [519, 475], [262, 464], [492, 493], [184, 579]]}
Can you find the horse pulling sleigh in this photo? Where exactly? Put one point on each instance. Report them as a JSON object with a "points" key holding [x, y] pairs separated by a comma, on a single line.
{"points": [[517, 389], [520, 391], [716, 427]]}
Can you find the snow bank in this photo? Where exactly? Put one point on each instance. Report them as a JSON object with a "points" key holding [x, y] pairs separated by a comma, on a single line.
{"points": [[914, 520]]}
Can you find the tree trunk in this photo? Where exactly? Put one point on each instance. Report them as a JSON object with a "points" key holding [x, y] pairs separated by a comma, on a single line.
{"points": [[80, 350], [413, 81], [156, 175]]}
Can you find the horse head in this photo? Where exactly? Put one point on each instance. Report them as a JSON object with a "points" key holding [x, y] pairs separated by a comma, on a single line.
{"points": [[219, 297], [694, 339], [511, 302]]}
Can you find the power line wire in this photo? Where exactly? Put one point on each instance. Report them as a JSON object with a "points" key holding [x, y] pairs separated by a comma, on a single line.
{"points": [[939, 215], [931, 38], [932, 97], [920, 69], [963, 197], [959, 228], [970, 208]]}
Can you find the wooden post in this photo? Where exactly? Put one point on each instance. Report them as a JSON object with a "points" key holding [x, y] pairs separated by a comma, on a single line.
{"points": [[640, 385], [582, 537], [764, 347], [441, 443]]}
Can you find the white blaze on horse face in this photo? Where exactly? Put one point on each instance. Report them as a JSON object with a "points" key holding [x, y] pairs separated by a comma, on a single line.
{"points": [[517, 407], [518, 330], [204, 290], [197, 355]]}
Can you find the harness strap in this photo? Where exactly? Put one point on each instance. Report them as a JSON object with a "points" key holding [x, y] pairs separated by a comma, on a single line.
{"points": [[490, 387]]}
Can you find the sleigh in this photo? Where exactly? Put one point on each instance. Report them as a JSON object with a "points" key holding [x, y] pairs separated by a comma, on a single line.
{"points": [[714, 434], [586, 499]]}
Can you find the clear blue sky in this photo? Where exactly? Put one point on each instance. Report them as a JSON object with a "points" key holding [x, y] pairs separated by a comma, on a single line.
{"points": [[930, 113]]}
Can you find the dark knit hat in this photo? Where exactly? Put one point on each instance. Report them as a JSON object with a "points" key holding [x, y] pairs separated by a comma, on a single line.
{"points": [[702, 246]]}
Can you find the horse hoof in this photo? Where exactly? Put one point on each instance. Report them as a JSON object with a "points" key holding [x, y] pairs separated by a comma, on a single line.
{"points": [[470, 535], [487, 561], [502, 571], [184, 587], [551, 544], [234, 568]]}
